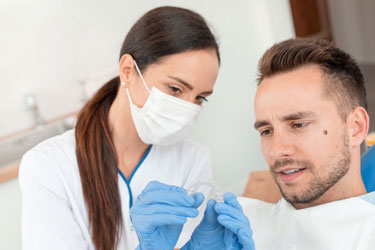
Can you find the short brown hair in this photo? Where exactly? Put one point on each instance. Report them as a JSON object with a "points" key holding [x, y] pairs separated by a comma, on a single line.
{"points": [[345, 80]]}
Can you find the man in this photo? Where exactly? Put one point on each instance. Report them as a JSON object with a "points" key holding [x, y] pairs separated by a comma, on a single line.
{"points": [[310, 110], [311, 114]]}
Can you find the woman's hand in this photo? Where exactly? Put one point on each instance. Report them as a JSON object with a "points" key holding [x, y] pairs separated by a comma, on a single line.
{"points": [[209, 234], [159, 214], [224, 226], [238, 234]]}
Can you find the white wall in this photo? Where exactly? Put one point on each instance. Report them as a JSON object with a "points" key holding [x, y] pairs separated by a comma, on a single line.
{"points": [[50, 46], [47, 47], [10, 216], [246, 30], [353, 27]]}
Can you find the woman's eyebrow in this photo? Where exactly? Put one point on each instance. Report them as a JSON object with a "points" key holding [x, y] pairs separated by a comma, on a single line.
{"points": [[189, 86], [182, 82]]}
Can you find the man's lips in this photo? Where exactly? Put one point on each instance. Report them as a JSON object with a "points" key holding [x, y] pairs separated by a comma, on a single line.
{"points": [[290, 174], [288, 170]]}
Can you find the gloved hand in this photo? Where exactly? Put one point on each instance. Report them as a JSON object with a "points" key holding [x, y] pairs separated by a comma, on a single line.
{"points": [[209, 234], [224, 226], [159, 214], [238, 234]]}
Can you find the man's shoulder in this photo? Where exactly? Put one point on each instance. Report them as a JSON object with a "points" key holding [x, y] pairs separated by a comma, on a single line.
{"points": [[255, 204], [369, 197], [257, 210]]}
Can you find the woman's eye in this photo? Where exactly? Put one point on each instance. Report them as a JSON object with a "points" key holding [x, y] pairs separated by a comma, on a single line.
{"points": [[174, 90], [201, 99]]}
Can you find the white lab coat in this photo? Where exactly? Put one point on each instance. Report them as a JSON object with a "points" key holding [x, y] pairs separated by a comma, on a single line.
{"points": [[347, 224], [54, 213]]}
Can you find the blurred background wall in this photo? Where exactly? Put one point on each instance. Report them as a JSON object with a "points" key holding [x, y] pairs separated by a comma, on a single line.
{"points": [[52, 47]]}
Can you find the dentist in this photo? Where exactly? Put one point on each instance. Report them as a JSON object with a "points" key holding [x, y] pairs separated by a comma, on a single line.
{"points": [[78, 187]]}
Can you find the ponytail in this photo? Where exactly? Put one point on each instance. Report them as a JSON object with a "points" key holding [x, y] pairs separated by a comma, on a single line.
{"points": [[98, 167]]}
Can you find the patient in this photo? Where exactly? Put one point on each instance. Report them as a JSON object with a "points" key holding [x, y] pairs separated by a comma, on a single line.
{"points": [[310, 110]]}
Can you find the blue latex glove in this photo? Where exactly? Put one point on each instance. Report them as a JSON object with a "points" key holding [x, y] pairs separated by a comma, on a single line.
{"points": [[238, 234], [209, 234], [159, 214]]}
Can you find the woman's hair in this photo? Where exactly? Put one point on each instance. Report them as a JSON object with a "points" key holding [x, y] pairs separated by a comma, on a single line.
{"points": [[160, 32]]}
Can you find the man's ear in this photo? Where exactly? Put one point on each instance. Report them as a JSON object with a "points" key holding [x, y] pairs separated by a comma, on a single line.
{"points": [[126, 68], [358, 125]]}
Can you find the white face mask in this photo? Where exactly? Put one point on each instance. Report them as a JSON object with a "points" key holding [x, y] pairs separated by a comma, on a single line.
{"points": [[163, 119]]}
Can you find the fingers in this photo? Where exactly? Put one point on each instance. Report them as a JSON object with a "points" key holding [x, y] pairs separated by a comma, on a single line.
{"points": [[237, 227], [230, 223], [231, 199], [231, 240], [198, 199], [235, 213], [157, 192], [209, 221], [209, 214], [232, 208], [155, 185], [148, 223], [231, 216], [245, 238], [155, 209], [167, 197]]}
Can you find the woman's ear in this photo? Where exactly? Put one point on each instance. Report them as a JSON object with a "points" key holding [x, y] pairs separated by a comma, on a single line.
{"points": [[358, 122], [126, 68]]}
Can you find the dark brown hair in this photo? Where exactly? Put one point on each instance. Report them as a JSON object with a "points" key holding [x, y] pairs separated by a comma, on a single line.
{"points": [[345, 83], [160, 32]]}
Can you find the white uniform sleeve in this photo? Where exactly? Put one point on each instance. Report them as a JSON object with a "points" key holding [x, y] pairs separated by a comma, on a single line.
{"points": [[201, 170], [47, 218]]}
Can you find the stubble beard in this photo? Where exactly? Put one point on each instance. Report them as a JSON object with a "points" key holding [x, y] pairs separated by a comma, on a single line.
{"points": [[337, 165]]}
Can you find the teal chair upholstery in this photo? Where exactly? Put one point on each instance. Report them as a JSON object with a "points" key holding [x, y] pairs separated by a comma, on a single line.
{"points": [[368, 169]]}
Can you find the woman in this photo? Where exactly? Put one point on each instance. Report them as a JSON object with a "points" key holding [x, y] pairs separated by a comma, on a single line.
{"points": [[78, 187]]}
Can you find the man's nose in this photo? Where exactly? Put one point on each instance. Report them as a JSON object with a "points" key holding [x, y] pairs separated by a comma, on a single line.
{"points": [[281, 146]]}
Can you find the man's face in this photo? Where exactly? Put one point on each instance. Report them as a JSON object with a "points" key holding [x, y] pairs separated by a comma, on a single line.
{"points": [[303, 138]]}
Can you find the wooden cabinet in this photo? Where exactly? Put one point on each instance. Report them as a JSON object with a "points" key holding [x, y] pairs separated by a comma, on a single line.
{"points": [[260, 185]]}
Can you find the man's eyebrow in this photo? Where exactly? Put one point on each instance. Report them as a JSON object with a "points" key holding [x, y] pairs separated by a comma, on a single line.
{"points": [[187, 85], [289, 117], [298, 115], [261, 123]]}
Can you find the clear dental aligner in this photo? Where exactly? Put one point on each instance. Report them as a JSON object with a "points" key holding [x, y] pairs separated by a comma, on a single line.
{"points": [[204, 185]]}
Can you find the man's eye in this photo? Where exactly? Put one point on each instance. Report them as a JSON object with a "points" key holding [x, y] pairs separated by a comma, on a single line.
{"points": [[174, 90], [299, 125], [265, 132]]}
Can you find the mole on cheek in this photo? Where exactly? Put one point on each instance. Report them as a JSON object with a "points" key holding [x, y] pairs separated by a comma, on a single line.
{"points": [[325, 132]]}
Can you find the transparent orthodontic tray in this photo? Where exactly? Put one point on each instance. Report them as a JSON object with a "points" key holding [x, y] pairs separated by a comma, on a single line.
{"points": [[208, 187]]}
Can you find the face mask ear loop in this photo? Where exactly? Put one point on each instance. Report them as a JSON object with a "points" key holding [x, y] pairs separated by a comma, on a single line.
{"points": [[140, 74], [129, 98]]}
